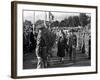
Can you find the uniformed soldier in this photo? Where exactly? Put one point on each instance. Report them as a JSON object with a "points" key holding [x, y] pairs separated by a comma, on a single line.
{"points": [[72, 46], [61, 46], [41, 48]]}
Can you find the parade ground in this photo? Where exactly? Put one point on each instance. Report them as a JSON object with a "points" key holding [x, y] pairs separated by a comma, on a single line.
{"points": [[30, 61]]}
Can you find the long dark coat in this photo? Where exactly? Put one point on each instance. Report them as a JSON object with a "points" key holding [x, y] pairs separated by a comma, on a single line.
{"points": [[41, 46], [61, 47]]}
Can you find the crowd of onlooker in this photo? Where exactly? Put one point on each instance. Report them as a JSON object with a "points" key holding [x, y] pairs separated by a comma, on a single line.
{"points": [[42, 41]]}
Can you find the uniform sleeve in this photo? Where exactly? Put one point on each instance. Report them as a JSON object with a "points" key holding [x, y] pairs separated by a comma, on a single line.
{"points": [[38, 46], [75, 40]]}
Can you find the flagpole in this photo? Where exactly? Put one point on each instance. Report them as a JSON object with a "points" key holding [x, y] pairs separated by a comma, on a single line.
{"points": [[33, 21], [45, 17], [49, 20]]}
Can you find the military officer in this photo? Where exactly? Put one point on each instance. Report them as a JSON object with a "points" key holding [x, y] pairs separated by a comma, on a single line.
{"points": [[41, 48]]}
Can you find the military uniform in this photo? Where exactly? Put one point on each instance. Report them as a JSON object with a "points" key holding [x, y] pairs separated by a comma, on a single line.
{"points": [[41, 50], [72, 46]]}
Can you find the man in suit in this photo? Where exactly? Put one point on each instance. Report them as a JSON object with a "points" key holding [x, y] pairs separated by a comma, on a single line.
{"points": [[72, 46]]}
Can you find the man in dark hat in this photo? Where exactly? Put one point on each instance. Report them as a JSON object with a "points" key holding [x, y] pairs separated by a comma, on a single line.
{"points": [[72, 45]]}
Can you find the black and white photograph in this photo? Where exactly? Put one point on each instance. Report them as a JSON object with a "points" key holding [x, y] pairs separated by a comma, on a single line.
{"points": [[53, 39], [56, 39]]}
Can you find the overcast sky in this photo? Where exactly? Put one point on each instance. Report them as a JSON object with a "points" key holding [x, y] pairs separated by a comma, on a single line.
{"points": [[29, 15]]}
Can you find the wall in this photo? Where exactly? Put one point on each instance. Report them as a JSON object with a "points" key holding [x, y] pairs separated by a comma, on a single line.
{"points": [[5, 40]]}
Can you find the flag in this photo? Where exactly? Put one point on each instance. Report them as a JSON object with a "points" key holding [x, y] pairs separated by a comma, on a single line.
{"points": [[51, 16]]}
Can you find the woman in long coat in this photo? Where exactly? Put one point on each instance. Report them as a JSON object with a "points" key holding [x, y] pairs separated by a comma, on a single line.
{"points": [[61, 46]]}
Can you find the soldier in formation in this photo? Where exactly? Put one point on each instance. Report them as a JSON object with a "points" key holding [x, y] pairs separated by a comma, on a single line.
{"points": [[72, 46]]}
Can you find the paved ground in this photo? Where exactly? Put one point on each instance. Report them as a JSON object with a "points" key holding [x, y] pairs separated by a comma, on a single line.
{"points": [[30, 61]]}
